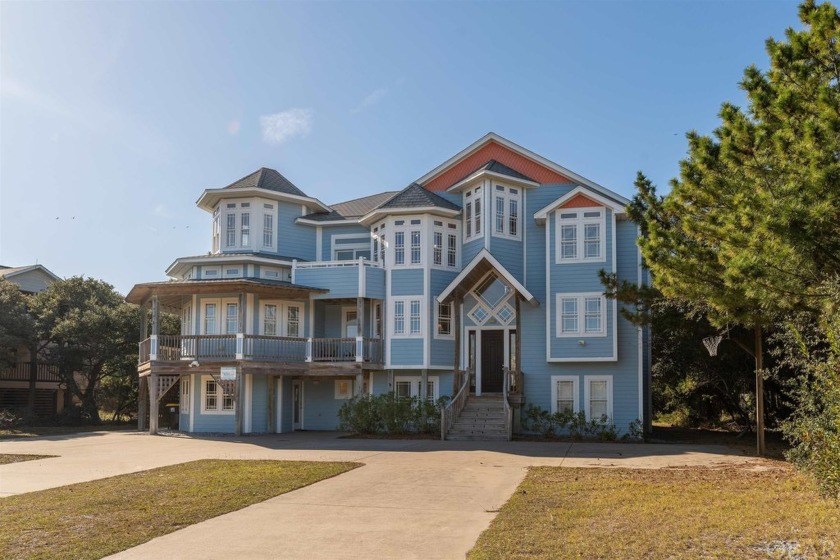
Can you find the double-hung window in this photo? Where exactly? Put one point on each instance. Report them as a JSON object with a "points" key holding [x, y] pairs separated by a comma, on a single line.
{"points": [[415, 246], [280, 319], [445, 240], [437, 250], [506, 222], [268, 230], [232, 318], [214, 399], [399, 248], [581, 315], [217, 228], [580, 235], [230, 230], [245, 229], [185, 395], [444, 320], [564, 393], [408, 316], [211, 325], [598, 396], [411, 387], [451, 250]]}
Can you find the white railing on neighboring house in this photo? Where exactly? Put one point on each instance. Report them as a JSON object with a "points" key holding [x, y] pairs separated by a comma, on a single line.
{"points": [[451, 410], [335, 264]]}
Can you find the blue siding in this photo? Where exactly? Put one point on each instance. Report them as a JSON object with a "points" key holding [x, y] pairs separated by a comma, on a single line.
{"points": [[407, 282], [374, 283], [320, 408], [342, 282], [407, 352], [509, 254], [442, 351], [259, 403], [204, 423], [327, 233], [293, 240]]}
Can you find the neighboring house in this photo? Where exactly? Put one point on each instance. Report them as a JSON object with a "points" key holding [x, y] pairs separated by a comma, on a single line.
{"points": [[15, 379], [488, 264]]}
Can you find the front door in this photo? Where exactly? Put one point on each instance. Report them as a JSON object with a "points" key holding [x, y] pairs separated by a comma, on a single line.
{"points": [[297, 405], [492, 361]]}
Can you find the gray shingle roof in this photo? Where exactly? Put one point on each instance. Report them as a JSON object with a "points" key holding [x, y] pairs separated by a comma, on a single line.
{"points": [[269, 179], [351, 208], [499, 168], [415, 196]]}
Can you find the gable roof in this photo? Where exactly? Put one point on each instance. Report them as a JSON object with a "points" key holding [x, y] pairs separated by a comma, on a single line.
{"points": [[9, 271], [493, 146], [268, 179], [478, 267], [345, 211]]}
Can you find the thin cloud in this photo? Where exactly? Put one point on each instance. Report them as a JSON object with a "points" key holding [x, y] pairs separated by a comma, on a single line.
{"points": [[233, 127], [371, 99], [279, 127]]}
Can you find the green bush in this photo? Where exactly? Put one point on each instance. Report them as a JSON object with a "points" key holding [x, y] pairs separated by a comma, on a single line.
{"points": [[389, 414], [573, 424]]}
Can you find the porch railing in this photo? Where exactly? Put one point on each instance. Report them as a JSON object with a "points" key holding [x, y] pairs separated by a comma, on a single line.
{"points": [[508, 378], [22, 370], [451, 410], [173, 348]]}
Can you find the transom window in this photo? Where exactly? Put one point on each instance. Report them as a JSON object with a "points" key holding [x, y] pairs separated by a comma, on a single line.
{"points": [[580, 235], [581, 315]]}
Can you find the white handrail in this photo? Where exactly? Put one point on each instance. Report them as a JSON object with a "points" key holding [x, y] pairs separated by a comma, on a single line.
{"points": [[336, 264], [508, 411]]}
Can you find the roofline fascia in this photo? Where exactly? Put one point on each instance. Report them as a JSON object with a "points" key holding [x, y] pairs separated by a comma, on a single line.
{"points": [[32, 267], [304, 221], [541, 214], [225, 259], [374, 214], [285, 197], [460, 185], [485, 254]]}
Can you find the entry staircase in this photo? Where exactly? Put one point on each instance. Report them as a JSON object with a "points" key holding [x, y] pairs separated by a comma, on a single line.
{"points": [[483, 418]]}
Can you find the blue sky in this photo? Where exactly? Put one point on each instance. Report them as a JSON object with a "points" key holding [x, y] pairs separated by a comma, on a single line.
{"points": [[115, 116]]}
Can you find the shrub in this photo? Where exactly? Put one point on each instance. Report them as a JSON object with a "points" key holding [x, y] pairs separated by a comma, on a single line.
{"points": [[8, 419], [389, 414], [573, 424]]}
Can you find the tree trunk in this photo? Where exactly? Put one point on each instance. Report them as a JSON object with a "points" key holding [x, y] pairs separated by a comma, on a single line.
{"points": [[33, 378], [759, 391]]}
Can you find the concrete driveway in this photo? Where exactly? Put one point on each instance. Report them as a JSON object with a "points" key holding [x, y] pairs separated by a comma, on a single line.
{"points": [[412, 499]]}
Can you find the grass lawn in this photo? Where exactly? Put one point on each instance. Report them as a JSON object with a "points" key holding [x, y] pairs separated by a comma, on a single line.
{"points": [[6, 458], [670, 513], [98, 518]]}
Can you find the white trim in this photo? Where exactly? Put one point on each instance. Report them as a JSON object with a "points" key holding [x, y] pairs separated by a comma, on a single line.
{"points": [[436, 317], [192, 401], [524, 239], [427, 287], [210, 197], [581, 298], [493, 137], [507, 197], [587, 379], [247, 404], [580, 222], [575, 379], [181, 408], [362, 246], [345, 309], [218, 411], [406, 300], [542, 213], [413, 379], [374, 215], [548, 291], [319, 243], [173, 270], [507, 276], [487, 174]]}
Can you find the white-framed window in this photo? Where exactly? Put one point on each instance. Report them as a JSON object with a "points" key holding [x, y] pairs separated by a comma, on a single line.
{"points": [[410, 386], [581, 314], [220, 316], [186, 320], [415, 246], [506, 202], [350, 247], [580, 235], [443, 322], [217, 228], [245, 229], [408, 316], [399, 248], [214, 399], [230, 230], [280, 318], [445, 244], [185, 395], [565, 393], [268, 230], [472, 212], [598, 396]]}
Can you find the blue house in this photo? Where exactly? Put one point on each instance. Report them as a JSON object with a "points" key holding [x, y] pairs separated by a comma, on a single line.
{"points": [[478, 281]]}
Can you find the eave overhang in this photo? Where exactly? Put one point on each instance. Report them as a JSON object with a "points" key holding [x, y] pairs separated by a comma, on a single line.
{"points": [[210, 197], [486, 174], [615, 206], [481, 264], [171, 293], [374, 215]]}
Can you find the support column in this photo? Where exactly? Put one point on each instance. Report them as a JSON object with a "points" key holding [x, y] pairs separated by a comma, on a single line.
{"points": [[238, 400], [155, 315], [142, 402], [153, 403], [456, 326], [517, 352], [424, 384], [144, 323], [358, 389], [360, 327], [272, 401]]}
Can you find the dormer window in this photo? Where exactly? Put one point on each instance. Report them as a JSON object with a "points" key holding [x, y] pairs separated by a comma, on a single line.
{"points": [[506, 201], [472, 213], [580, 235]]}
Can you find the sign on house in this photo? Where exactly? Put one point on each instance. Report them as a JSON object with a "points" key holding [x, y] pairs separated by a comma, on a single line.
{"points": [[228, 373]]}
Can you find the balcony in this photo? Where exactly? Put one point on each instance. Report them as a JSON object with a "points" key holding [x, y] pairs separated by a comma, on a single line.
{"points": [[22, 370], [343, 279], [256, 348]]}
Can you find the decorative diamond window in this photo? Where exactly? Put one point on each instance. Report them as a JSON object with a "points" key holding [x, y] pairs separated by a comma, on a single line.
{"points": [[492, 291], [479, 314], [505, 314]]}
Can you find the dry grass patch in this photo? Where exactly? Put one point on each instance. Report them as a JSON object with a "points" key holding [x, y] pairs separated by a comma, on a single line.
{"points": [[675, 513], [102, 517], [7, 458]]}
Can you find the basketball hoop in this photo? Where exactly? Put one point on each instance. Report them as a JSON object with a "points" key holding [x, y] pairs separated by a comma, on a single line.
{"points": [[711, 344]]}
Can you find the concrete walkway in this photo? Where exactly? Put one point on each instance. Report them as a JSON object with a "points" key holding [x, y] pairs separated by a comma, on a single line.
{"points": [[412, 499]]}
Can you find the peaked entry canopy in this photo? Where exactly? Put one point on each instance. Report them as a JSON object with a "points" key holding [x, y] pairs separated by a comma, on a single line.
{"points": [[481, 264]]}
